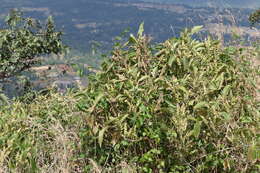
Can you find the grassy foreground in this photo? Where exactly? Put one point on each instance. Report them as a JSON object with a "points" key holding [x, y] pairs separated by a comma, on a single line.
{"points": [[179, 106]]}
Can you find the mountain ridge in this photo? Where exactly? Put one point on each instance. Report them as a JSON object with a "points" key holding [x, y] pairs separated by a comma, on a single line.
{"points": [[102, 20], [212, 3]]}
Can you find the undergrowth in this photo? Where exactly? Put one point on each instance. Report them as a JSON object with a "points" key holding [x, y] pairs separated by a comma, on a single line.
{"points": [[179, 106], [40, 136]]}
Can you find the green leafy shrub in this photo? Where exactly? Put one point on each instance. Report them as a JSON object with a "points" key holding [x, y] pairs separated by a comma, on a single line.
{"points": [[23, 40], [180, 106], [254, 18]]}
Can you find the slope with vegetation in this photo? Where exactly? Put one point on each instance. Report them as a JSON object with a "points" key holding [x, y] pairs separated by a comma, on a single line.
{"points": [[212, 3], [182, 105]]}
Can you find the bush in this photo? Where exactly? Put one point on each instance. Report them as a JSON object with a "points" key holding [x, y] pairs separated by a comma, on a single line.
{"points": [[180, 106], [254, 18], [23, 40]]}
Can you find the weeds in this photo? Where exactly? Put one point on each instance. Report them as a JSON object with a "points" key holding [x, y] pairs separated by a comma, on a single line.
{"points": [[40, 136]]}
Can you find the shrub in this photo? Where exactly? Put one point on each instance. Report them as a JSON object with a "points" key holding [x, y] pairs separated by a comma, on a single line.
{"points": [[23, 40], [179, 106], [40, 136], [254, 18]]}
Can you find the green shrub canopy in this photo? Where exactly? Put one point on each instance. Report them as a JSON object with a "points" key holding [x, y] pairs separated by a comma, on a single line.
{"points": [[254, 18], [23, 40], [180, 106]]}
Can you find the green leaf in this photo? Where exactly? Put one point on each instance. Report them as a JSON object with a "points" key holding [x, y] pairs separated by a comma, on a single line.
{"points": [[3, 99], [226, 115], [132, 39], [101, 136], [98, 98], [174, 45], [182, 88], [220, 80], [196, 129], [253, 153], [226, 90], [143, 78], [131, 54], [196, 29], [201, 105], [198, 46], [140, 30], [171, 60], [155, 71], [170, 104]]}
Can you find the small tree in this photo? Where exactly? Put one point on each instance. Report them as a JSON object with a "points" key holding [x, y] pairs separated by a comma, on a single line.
{"points": [[255, 17], [23, 40]]}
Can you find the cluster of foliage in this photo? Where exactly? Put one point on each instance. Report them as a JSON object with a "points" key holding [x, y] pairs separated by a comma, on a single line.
{"points": [[23, 40], [255, 17], [39, 134], [179, 106]]}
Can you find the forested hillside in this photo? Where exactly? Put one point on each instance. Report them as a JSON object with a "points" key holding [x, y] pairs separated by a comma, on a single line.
{"points": [[213, 3], [102, 20]]}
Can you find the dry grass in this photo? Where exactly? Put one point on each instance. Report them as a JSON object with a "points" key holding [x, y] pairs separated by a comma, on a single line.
{"points": [[49, 126]]}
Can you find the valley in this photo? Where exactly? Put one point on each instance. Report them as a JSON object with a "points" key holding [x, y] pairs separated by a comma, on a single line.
{"points": [[90, 21]]}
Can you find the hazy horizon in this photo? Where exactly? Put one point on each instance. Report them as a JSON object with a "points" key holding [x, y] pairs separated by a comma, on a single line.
{"points": [[212, 3]]}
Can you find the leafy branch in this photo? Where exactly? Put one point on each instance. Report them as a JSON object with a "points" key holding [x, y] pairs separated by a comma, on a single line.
{"points": [[25, 39]]}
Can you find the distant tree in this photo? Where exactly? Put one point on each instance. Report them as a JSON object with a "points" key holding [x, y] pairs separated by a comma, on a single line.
{"points": [[254, 18], [23, 40]]}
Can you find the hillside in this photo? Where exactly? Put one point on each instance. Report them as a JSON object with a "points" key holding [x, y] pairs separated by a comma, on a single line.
{"points": [[212, 3], [102, 20]]}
